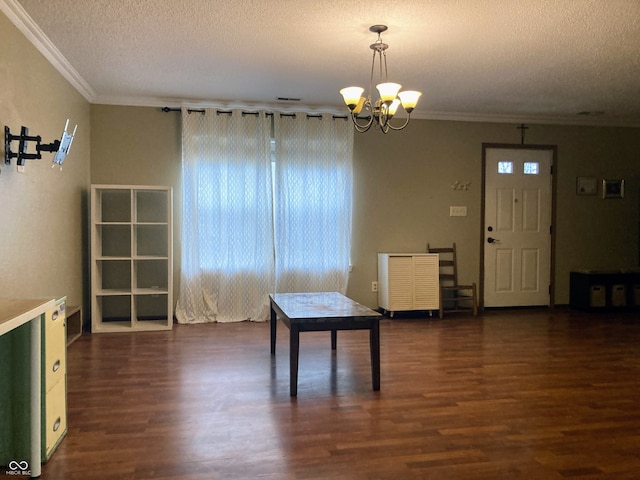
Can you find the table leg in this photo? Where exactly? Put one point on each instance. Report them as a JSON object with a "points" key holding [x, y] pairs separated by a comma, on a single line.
{"points": [[374, 340], [334, 339], [36, 378], [273, 321], [294, 348]]}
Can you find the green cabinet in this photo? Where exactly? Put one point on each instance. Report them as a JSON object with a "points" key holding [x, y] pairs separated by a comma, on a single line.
{"points": [[15, 391]]}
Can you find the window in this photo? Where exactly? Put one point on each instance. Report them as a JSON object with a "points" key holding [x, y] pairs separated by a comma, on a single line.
{"points": [[531, 168], [229, 199], [266, 208], [505, 167]]}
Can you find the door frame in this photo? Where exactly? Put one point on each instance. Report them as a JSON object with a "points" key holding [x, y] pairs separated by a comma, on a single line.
{"points": [[483, 226]]}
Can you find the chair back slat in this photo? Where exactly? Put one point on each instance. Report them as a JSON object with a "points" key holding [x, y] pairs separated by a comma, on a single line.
{"points": [[457, 294]]}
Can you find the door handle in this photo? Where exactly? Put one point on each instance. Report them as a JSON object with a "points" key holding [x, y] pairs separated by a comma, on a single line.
{"points": [[493, 240]]}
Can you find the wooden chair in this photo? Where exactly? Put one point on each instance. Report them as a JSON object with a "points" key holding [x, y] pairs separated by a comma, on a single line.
{"points": [[456, 297]]}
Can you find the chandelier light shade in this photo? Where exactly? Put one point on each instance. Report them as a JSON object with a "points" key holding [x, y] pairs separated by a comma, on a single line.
{"points": [[382, 110]]}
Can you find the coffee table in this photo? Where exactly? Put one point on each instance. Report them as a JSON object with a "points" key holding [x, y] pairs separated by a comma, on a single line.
{"points": [[324, 311]]}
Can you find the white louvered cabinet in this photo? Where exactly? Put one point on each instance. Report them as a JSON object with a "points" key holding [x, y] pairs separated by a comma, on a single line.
{"points": [[408, 281]]}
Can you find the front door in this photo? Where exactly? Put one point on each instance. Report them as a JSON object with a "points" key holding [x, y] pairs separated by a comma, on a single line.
{"points": [[517, 225]]}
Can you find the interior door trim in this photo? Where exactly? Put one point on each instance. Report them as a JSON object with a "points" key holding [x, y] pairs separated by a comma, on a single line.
{"points": [[554, 176]]}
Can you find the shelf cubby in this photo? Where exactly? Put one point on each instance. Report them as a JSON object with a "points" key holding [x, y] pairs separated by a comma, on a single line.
{"points": [[114, 311], [114, 240], [151, 275], [113, 206], [151, 308], [147, 210], [151, 240], [113, 275]]}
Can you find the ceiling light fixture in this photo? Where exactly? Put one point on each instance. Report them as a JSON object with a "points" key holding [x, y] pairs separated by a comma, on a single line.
{"points": [[385, 107]]}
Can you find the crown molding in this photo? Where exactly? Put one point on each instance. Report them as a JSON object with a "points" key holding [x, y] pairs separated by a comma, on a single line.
{"points": [[566, 120], [21, 19]]}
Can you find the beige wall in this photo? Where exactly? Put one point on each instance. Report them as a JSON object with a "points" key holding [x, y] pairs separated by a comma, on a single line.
{"points": [[43, 244], [139, 146], [402, 193], [402, 179], [402, 196]]}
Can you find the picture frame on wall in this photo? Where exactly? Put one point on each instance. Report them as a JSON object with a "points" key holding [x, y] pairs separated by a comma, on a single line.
{"points": [[586, 185], [612, 188]]}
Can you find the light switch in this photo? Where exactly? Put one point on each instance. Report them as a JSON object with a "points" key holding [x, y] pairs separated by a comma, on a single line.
{"points": [[457, 210]]}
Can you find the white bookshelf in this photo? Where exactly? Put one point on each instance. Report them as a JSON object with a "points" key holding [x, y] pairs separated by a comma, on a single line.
{"points": [[131, 258]]}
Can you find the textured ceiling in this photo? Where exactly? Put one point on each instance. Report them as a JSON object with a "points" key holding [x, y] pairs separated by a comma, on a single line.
{"points": [[472, 59]]}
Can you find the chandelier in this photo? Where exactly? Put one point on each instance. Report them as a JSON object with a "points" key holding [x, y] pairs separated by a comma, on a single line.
{"points": [[384, 108]]}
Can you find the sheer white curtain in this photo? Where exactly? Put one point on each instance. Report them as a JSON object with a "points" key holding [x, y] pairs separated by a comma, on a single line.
{"points": [[227, 227], [257, 220], [313, 202]]}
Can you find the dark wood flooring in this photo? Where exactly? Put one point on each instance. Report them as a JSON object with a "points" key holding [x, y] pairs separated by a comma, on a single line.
{"points": [[528, 394]]}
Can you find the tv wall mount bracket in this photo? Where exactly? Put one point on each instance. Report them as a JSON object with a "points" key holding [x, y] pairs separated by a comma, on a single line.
{"points": [[60, 147]]}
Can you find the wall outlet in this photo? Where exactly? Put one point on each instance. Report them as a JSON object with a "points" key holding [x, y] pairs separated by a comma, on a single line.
{"points": [[458, 211], [374, 286]]}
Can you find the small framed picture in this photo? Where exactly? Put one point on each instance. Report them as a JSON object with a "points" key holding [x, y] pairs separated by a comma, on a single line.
{"points": [[586, 185], [612, 188]]}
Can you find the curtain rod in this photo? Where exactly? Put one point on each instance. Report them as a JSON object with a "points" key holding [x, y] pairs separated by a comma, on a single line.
{"points": [[268, 114]]}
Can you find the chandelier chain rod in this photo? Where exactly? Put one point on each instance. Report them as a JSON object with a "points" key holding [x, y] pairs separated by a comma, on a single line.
{"points": [[373, 66], [386, 73]]}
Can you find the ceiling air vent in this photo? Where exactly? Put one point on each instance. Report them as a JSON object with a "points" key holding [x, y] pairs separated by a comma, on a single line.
{"points": [[287, 99], [591, 113]]}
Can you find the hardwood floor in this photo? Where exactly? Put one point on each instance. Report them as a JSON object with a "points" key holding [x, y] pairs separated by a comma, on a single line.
{"points": [[526, 394]]}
